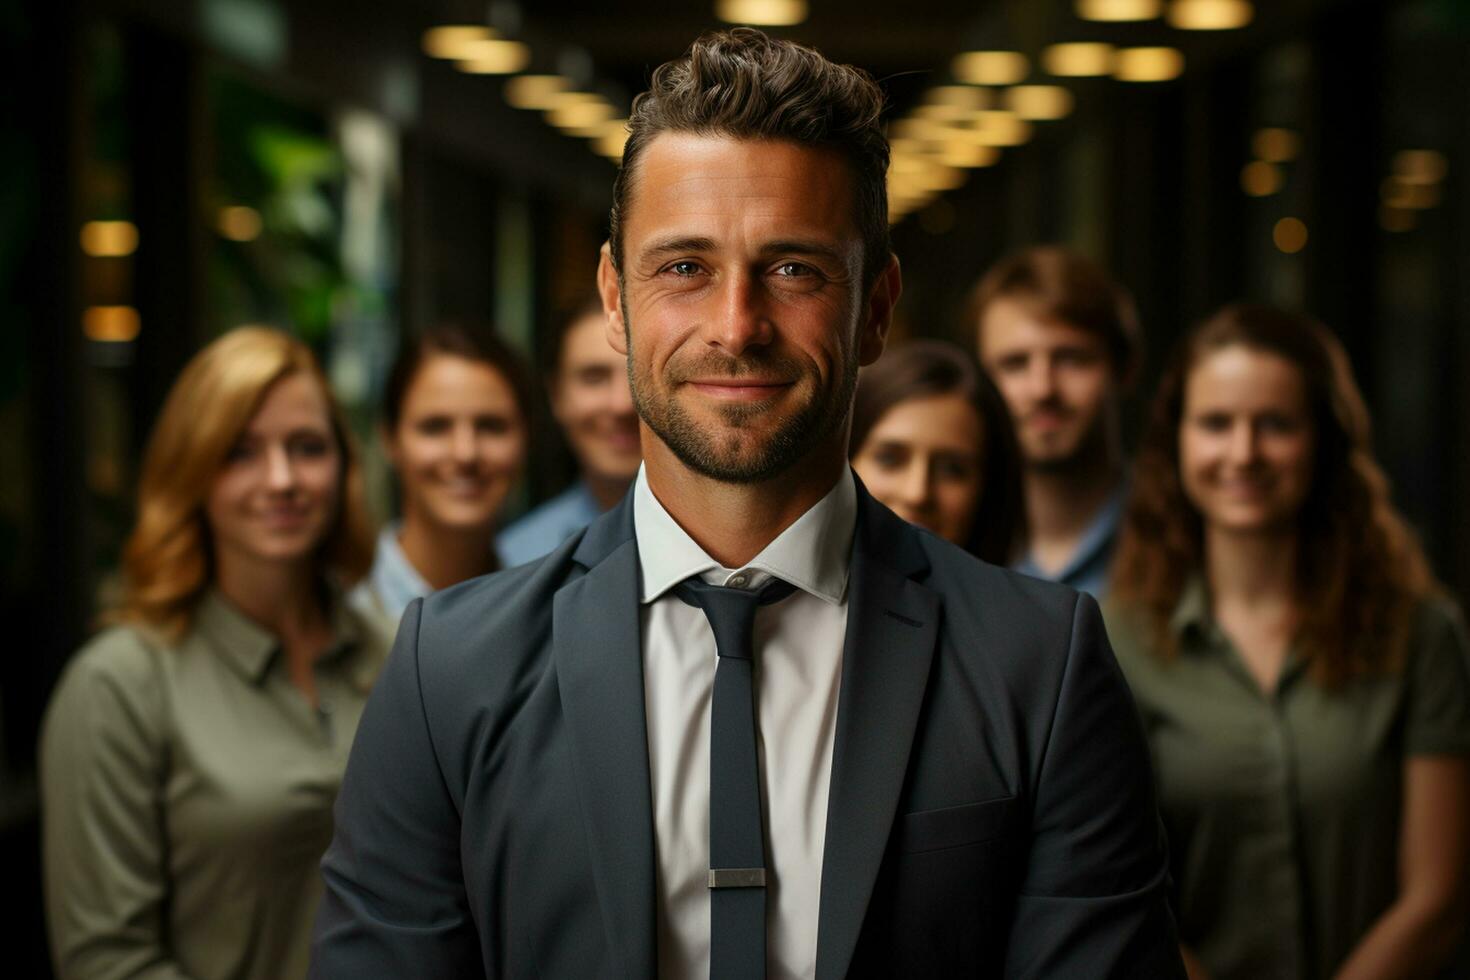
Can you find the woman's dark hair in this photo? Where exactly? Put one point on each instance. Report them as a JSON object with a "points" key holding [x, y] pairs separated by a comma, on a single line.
{"points": [[455, 340], [931, 368], [1361, 573]]}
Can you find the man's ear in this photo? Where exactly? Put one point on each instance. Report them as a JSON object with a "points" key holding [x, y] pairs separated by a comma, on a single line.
{"points": [[612, 300], [878, 312]]}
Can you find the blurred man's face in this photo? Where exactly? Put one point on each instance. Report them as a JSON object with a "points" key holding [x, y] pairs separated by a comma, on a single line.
{"points": [[746, 316], [592, 404], [1057, 379]]}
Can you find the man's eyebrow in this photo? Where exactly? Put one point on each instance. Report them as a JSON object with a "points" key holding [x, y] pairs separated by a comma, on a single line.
{"points": [[673, 246], [805, 246]]}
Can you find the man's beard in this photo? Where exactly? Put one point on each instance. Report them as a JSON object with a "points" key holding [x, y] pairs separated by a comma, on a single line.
{"points": [[721, 454]]}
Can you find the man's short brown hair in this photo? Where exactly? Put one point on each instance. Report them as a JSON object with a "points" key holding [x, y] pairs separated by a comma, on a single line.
{"points": [[1059, 284], [745, 85]]}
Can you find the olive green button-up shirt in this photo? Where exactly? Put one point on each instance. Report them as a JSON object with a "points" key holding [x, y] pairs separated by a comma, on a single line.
{"points": [[187, 796], [1282, 809]]}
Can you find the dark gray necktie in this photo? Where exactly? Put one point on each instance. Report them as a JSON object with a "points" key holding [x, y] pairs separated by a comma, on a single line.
{"points": [[737, 854]]}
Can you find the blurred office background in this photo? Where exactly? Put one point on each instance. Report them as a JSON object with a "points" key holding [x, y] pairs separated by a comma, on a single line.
{"points": [[174, 168]]}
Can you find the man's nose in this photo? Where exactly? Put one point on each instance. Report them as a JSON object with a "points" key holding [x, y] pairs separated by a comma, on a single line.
{"points": [[742, 318]]}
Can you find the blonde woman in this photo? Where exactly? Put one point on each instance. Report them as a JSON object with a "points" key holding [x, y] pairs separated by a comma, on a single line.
{"points": [[192, 752]]}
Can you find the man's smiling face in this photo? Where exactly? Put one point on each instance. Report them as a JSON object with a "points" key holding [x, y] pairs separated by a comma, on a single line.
{"points": [[742, 305]]}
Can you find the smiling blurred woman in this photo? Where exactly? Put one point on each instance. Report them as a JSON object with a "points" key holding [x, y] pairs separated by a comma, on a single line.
{"points": [[932, 441], [192, 752], [455, 423], [1302, 679]]}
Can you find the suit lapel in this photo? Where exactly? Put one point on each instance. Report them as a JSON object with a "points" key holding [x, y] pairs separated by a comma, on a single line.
{"points": [[892, 625], [600, 669]]}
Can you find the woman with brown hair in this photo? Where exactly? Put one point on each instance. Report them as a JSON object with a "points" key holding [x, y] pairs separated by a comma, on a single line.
{"points": [[191, 755], [1302, 678], [456, 419], [931, 440]]}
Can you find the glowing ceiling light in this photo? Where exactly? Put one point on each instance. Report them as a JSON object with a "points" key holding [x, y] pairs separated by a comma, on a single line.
{"points": [[968, 155], [991, 67], [1119, 10], [997, 128], [1209, 15], [1040, 102], [1079, 59], [1409, 195], [589, 115], [111, 324], [762, 13], [1260, 179], [1420, 166], [535, 91], [109, 239], [451, 40], [495, 57], [239, 223], [1276, 145], [959, 96], [1290, 235], [1148, 64]]}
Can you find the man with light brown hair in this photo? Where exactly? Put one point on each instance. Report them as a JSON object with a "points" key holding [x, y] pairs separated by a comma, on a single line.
{"points": [[1061, 341], [749, 722]]}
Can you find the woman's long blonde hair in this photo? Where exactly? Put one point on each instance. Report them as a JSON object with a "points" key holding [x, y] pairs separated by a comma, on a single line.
{"points": [[168, 560]]}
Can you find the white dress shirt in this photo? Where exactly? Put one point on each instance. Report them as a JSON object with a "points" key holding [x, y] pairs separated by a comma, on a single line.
{"points": [[798, 656]]}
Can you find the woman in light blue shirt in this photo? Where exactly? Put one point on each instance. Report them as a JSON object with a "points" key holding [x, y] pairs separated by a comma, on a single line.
{"points": [[455, 429]]}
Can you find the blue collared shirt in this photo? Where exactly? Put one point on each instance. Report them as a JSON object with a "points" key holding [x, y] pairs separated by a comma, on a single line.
{"points": [[540, 531], [1087, 569], [392, 583]]}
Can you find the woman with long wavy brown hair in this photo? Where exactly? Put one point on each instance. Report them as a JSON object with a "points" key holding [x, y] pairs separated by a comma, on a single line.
{"points": [[1302, 678], [192, 752]]}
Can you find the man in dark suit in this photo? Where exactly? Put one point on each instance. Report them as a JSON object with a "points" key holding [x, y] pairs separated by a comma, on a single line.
{"points": [[749, 722]]}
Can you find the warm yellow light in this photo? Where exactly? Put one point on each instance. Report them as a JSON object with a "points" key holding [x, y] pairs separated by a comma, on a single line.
{"points": [[575, 116], [1080, 59], [959, 96], [111, 324], [1420, 166], [1260, 179], [941, 177], [919, 128], [1275, 145], [451, 40], [535, 91], [942, 114], [1395, 219], [1040, 102], [1290, 235], [495, 58], [960, 154], [991, 67], [764, 13], [1148, 64], [109, 239], [1116, 10], [613, 137], [239, 223], [997, 128], [1209, 15], [1410, 195]]}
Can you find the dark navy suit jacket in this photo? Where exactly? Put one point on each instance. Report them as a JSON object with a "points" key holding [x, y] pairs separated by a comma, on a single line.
{"points": [[991, 808]]}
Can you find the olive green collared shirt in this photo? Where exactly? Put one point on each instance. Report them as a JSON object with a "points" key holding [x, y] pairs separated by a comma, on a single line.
{"points": [[187, 795], [1283, 810]]}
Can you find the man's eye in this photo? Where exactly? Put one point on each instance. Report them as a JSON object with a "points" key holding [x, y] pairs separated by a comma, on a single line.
{"points": [[794, 269], [685, 269]]}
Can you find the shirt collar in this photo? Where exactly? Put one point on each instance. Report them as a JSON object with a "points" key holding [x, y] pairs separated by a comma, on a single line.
{"points": [[250, 648], [1192, 611], [393, 576], [1094, 540], [812, 554]]}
